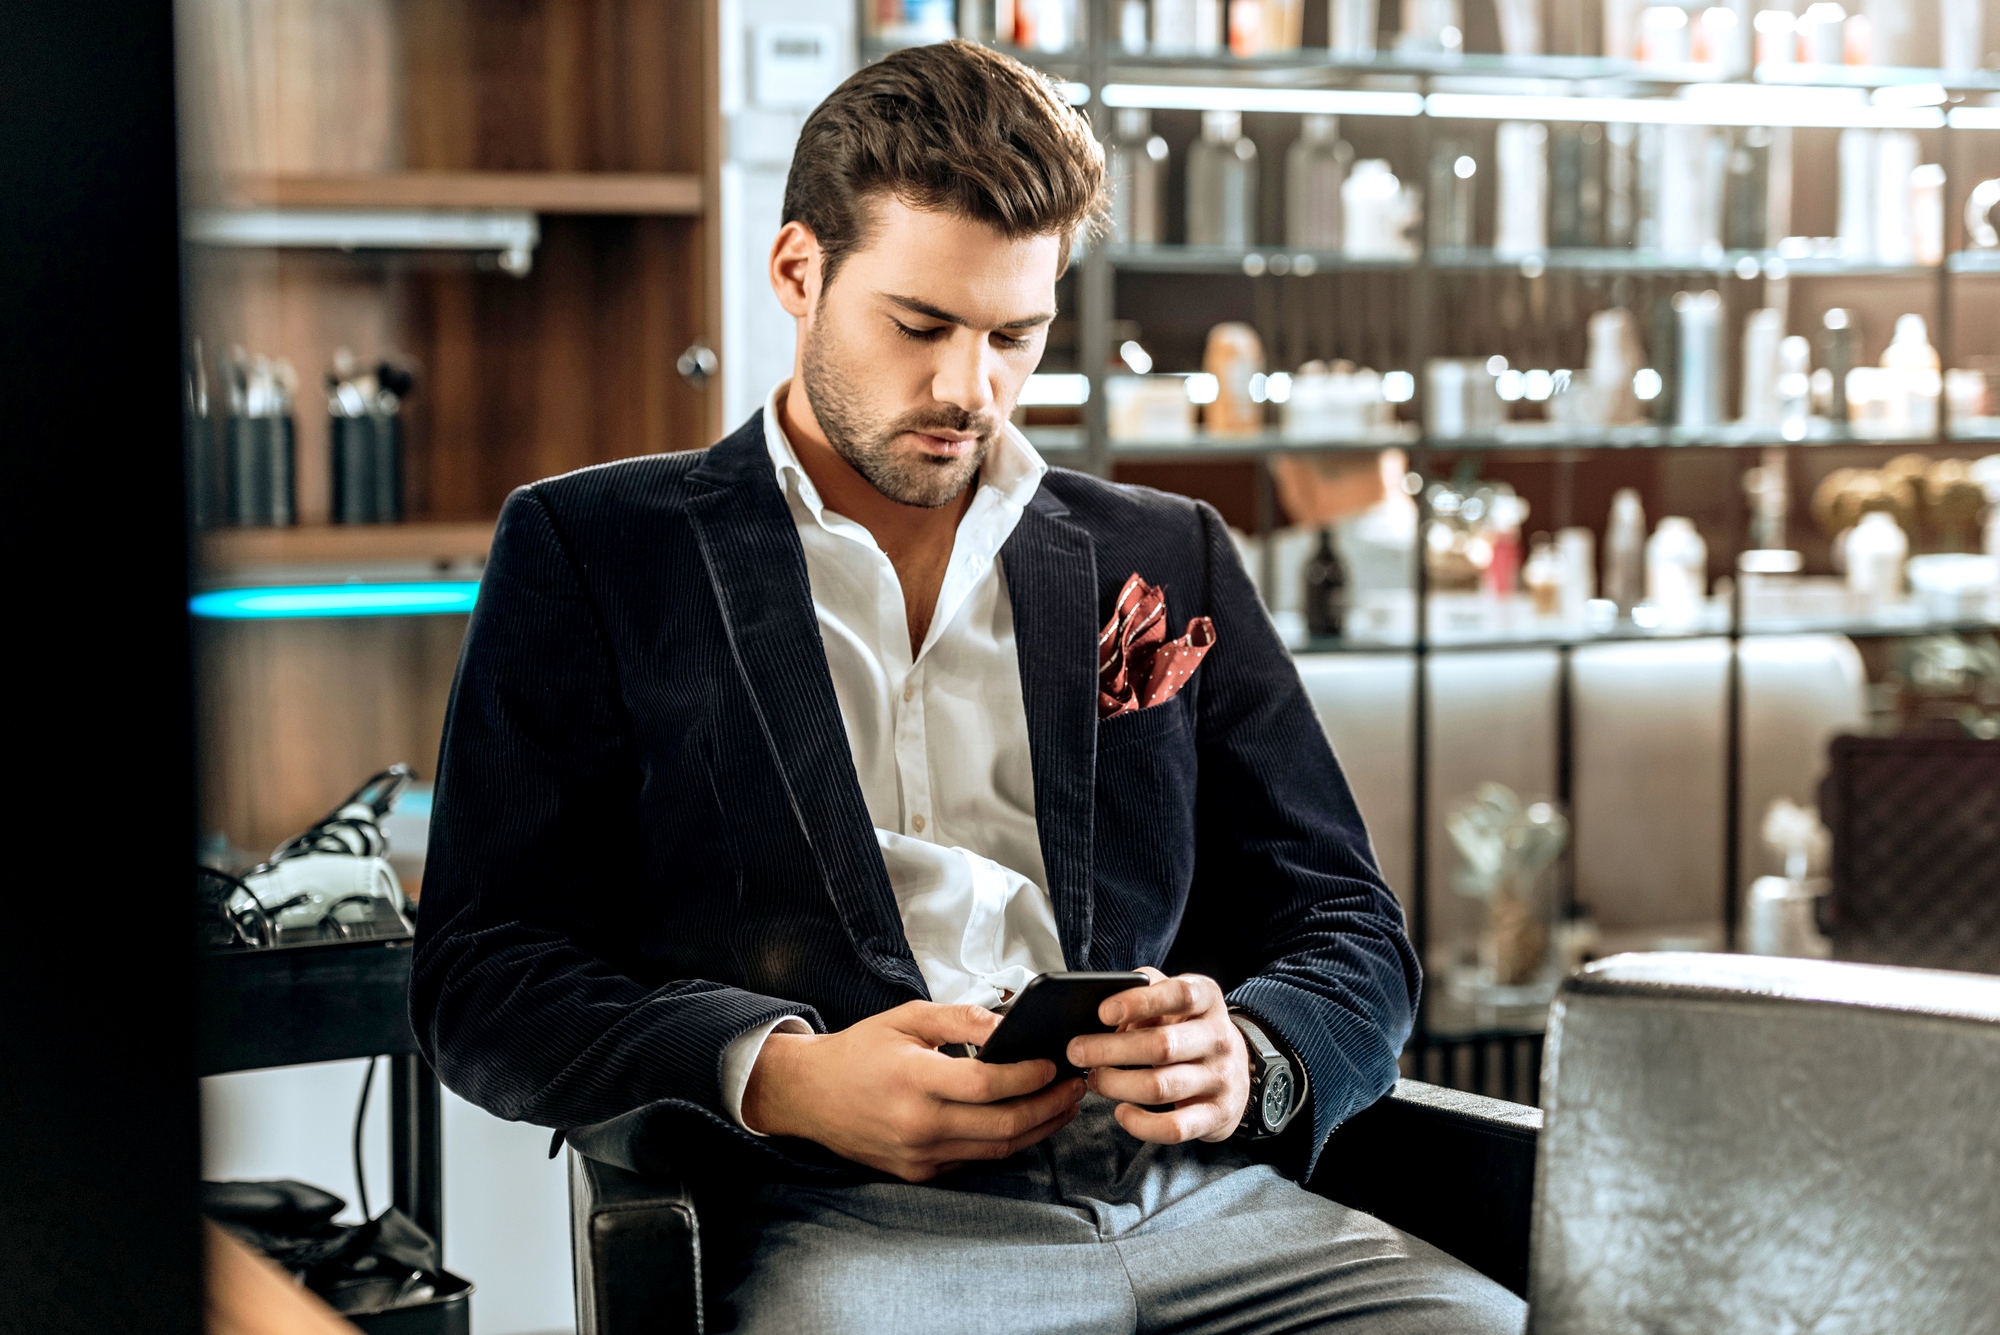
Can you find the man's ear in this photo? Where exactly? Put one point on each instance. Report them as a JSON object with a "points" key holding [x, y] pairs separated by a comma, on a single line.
{"points": [[796, 268]]}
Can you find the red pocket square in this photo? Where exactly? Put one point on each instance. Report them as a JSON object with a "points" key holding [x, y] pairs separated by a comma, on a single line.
{"points": [[1137, 666]]}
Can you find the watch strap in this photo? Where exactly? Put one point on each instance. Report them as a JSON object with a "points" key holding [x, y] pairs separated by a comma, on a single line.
{"points": [[1266, 1053]]}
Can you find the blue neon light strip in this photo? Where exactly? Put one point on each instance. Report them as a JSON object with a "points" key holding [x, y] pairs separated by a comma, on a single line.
{"points": [[429, 598]]}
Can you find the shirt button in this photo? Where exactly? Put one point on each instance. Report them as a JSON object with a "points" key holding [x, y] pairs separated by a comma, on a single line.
{"points": [[909, 692], [917, 823]]}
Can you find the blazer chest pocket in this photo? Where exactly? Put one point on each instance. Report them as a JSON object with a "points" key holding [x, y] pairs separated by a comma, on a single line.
{"points": [[1165, 724]]}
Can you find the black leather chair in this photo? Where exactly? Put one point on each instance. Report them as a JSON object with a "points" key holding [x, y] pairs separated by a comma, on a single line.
{"points": [[1454, 1169]]}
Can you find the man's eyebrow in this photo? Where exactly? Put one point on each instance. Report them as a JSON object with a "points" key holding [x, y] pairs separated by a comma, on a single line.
{"points": [[925, 309]]}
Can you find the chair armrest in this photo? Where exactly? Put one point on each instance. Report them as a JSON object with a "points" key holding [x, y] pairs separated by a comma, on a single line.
{"points": [[1454, 1169], [635, 1252]]}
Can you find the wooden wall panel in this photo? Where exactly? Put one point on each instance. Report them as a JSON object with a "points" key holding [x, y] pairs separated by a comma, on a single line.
{"points": [[294, 714], [573, 365], [554, 85]]}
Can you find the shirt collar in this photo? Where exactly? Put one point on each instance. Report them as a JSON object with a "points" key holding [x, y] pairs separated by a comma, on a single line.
{"points": [[1013, 468]]}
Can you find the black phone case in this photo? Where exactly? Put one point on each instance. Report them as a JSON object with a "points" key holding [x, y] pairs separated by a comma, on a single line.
{"points": [[1051, 1010]]}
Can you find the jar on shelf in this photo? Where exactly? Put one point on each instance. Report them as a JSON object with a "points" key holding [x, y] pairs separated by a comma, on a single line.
{"points": [[1222, 184], [1315, 169], [1138, 169]]}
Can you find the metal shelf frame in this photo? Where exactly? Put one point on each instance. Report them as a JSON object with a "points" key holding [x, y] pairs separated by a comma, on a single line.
{"points": [[1399, 85]]}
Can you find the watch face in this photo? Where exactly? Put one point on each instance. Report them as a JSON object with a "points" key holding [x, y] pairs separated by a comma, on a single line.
{"points": [[1277, 1098]]}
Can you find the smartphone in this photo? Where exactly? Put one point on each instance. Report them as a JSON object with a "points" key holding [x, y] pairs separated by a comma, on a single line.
{"points": [[1051, 1010]]}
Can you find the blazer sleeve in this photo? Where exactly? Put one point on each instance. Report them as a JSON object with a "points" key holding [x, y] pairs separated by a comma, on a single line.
{"points": [[532, 843], [1306, 933]]}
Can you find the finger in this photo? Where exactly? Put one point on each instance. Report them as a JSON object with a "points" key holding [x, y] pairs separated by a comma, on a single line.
{"points": [[1004, 1121], [964, 1081], [1186, 994], [1159, 1084], [934, 1025], [1196, 1121], [1114, 1004], [1161, 1045], [957, 1153]]}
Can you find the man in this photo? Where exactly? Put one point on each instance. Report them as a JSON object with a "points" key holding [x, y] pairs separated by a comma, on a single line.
{"points": [[770, 770]]}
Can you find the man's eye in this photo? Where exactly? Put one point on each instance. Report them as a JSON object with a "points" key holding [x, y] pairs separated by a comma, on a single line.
{"points": [[919, 335], [1007, 343]]}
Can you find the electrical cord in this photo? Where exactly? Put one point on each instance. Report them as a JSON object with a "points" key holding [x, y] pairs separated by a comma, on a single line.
{"points": [[360, 1120]]}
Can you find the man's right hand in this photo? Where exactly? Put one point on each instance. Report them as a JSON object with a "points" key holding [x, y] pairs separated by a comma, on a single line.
{"points": [[879, 1092]]}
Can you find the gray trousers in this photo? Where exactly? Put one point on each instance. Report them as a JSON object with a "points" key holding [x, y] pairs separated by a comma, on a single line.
{"points": [[1093, 1231]]}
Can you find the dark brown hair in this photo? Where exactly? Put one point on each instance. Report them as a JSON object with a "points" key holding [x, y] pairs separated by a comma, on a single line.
{"points": [[955, 128]]}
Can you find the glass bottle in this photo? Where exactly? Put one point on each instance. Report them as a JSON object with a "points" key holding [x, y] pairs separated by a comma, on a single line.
{"points": [[1222, 184], [1138, 163], [1325, 588], [1315, 167], [1625, 551]]}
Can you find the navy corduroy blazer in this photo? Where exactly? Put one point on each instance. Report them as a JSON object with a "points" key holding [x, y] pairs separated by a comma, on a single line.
{"points": [[648, 835]]}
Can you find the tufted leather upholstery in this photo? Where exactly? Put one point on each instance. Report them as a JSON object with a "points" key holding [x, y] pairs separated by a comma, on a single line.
{"points": [[1916, 851], [1764, 1145], [1454, 1169]]}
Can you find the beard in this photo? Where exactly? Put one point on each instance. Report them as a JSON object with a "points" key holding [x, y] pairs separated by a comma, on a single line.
{"points": [[868, 442]]}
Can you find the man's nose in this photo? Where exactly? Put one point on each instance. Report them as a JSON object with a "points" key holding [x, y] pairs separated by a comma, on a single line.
{"points": [[964, 376]]}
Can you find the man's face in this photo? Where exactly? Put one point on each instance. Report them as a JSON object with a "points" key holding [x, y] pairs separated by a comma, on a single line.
{"points": [[914, 355]]}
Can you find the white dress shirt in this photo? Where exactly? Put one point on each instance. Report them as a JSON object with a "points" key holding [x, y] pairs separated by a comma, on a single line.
{"points": [[939, 738]]}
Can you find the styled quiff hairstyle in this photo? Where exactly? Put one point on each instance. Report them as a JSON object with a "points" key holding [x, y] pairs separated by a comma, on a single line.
{"points": [[950, 128]]}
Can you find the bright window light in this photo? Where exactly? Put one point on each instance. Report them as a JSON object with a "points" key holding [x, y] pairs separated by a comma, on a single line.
{"points": [[1135, 356], [1055, 391], [1646, 384], [1399, 386], [1308, 101], [429, 598], [1202, 388]]}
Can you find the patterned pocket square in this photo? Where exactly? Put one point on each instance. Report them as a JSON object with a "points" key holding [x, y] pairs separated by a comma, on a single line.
{"points": [[1137, 666]]}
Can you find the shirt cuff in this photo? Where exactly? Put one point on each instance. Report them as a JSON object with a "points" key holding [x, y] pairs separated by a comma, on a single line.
{"points": [[741, 1055]]}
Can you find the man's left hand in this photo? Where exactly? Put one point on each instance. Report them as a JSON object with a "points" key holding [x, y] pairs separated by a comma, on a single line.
{"points": [[1178, 1030]]}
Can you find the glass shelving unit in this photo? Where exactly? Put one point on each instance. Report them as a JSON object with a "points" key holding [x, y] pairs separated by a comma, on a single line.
{"points": [[1438, 95]]}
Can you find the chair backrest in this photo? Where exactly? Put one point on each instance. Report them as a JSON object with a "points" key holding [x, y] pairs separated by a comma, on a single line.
{"points": [[1765, 1145], [1916, 851]]}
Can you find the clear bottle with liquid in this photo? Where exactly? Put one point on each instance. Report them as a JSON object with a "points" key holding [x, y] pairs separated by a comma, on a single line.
{"points": [[1138, 167], [1315, 168], [1222, 184], [1625, 551]]}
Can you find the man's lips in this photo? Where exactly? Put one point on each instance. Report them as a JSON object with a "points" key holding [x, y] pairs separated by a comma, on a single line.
{"points": [[948, 445]]}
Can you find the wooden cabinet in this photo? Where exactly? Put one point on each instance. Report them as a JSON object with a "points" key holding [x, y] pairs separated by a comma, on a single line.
{"points": [[596, 116]]}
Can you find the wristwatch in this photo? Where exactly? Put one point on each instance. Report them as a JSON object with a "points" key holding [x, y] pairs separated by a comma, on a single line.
{"points": [[1277, 1083]]}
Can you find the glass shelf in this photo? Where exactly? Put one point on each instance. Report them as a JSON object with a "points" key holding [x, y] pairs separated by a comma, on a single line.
{"points": [[1520, 436], [1465, 623], [1280, 261], [1253, 262], [1743, 263], [1974, 261], [1319, 67], [1206, 446]]}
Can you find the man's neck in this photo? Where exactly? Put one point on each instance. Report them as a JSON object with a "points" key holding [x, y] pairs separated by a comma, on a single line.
{"points": [[917, 539]]}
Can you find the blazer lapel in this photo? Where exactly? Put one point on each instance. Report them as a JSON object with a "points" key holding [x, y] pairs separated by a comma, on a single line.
{"points": [[750, 547], [1051, 567]]}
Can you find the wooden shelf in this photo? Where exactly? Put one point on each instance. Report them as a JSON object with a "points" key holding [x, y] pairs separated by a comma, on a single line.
{"points": [[230, 550], [670, 194]]}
